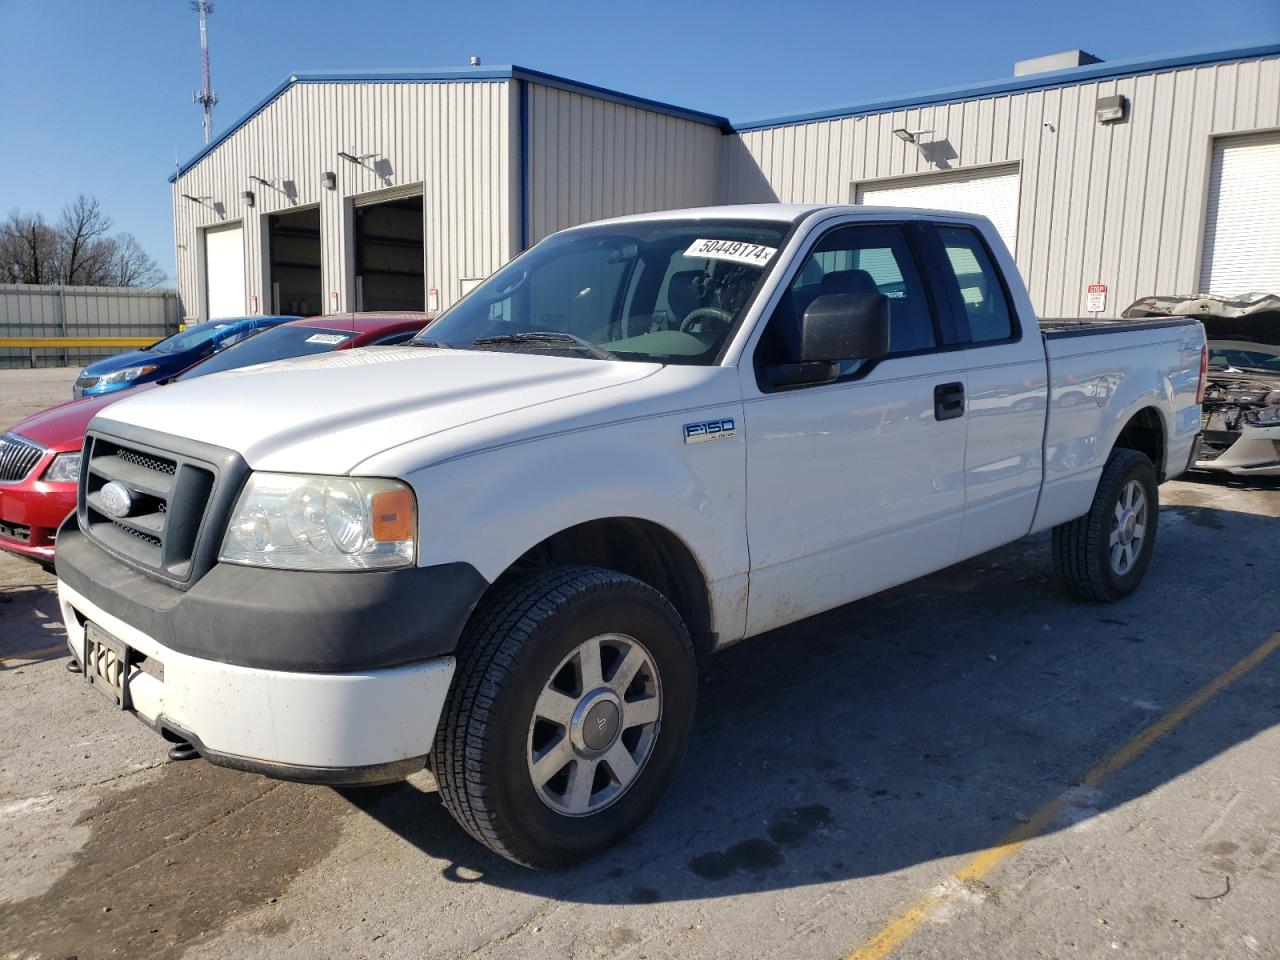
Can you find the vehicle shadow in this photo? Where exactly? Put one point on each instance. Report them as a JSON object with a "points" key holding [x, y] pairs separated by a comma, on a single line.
{"points": [[925, 722], [30, 626], [1229, 481]]}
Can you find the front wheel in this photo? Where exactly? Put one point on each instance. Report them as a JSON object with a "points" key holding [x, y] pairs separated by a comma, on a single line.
{"points": [[568, 714], [1104, 554]]}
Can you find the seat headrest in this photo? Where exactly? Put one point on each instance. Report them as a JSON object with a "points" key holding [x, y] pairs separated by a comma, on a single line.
{"points": [[847, 281]]}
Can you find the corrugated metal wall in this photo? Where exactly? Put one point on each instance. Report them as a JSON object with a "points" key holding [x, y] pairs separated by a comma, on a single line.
{"points": [[54, 311], [453, 138], [1120, 204], [591, 158]]}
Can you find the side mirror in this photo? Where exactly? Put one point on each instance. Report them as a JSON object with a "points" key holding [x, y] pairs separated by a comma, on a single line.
{"points": [[845, 326]]}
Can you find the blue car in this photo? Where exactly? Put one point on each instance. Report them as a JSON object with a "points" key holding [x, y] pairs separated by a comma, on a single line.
{"points": [[168, 357]]}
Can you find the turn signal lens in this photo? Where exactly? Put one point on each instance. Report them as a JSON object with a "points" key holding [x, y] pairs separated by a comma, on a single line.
{"points": [[392, 516]]}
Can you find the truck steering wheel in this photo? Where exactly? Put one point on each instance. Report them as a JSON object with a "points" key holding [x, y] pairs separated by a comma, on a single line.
{"points": [[708, 312]]}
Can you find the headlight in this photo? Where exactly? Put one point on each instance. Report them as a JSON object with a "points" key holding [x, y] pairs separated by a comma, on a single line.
{"points": [[296, 522], [1268, 415], [64, 469], [128, 374]]}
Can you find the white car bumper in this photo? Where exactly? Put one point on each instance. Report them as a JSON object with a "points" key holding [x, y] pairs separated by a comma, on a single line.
{"points": [[1255, 453], [364, 727]]}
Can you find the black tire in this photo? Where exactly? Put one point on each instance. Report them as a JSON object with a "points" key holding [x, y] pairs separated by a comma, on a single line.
{"points": [[1082, 549], [508, 653]]}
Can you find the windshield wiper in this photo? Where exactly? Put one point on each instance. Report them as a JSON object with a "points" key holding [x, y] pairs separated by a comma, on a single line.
{"points": [[547, 336]]}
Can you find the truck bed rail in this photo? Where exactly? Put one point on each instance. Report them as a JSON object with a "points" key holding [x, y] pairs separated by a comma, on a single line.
{"points": [[1057, 328]]}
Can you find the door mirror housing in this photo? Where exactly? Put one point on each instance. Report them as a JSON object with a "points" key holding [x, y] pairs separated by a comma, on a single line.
{"points": [[845, 326]]}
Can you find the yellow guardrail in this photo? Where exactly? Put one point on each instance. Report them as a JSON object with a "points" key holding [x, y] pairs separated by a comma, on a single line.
{"points": [[59, 342]]}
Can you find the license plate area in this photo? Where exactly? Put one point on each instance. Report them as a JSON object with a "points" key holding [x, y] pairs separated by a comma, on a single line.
{"points": [[107, 662]]}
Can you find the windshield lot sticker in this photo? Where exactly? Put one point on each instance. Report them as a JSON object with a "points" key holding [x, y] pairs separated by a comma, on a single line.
{"points": [[709, 430], [752, 254], [326, 338]]}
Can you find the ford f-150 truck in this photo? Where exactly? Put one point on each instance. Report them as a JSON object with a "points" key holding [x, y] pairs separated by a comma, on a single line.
{"points": [[501, 550]]}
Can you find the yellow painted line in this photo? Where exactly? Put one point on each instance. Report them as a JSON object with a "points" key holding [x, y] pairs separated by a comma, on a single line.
{"points": [[894, 933], [59, 342]]}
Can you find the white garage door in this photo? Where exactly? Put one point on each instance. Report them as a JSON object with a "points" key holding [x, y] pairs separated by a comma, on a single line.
{"points": [[992, 193], [1242, 221], [224, 271]]}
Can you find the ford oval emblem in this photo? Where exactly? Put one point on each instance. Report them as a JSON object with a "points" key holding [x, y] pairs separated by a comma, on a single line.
{"points": [[116, 499]]}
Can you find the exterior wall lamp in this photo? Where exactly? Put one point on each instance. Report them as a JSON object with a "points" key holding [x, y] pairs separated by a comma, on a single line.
{"points": [[1111, 109], [909, 136]]}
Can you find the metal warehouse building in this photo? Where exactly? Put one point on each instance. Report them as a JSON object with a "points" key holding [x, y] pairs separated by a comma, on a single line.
{"points": [[400, 190]]}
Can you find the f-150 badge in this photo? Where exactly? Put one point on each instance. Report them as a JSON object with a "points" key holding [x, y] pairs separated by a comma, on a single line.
{"points": [[709, 430]]}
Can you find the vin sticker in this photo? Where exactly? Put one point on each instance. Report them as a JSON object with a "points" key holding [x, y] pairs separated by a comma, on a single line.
{"points": [[752, 254], [721, 429], [327, 338]]}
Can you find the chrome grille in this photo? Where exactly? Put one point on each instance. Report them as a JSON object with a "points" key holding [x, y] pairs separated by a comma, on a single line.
{"points": [[18, 457]]}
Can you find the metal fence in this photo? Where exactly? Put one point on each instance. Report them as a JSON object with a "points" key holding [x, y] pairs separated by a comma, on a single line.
{"points": [[58, 326]]}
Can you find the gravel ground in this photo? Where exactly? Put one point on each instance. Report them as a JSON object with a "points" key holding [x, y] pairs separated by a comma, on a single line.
{"points": [[843, 771]]}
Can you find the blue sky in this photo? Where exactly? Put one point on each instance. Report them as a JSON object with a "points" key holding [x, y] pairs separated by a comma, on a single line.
{"points": [[95, 96]]}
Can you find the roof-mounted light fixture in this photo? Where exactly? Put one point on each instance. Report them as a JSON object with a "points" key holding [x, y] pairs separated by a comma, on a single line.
{"points": [[909, 136]]}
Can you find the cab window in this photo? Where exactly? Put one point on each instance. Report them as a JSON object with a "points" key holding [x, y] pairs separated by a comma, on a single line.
{"points": [[977, 285]]}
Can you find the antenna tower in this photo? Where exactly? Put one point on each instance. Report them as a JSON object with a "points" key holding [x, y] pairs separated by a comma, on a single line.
{"points": [[205, 96]]}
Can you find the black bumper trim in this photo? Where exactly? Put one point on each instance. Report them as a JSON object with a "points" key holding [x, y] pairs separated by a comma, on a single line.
{"points": [[1195, 451], [283, 619], [369, 775]]}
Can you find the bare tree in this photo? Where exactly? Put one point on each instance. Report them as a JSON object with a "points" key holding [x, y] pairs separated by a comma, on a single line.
{"points": [[82, 231], [79, 250], [130, 265], [28, 249]]}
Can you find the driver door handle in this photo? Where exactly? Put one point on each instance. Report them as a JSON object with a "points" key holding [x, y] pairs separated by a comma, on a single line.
{"points": [[948, 401]]}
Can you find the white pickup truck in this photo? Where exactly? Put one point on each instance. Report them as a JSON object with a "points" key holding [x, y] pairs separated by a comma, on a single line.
{"points": [[501, 550]]}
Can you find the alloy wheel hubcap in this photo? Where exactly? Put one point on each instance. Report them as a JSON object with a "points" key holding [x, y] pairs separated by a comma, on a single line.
{"points": [[1128, 528], [594, 725]]}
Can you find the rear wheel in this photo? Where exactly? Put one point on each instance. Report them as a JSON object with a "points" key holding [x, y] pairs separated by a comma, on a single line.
{"points": [[568, 715], [1104, 554]]}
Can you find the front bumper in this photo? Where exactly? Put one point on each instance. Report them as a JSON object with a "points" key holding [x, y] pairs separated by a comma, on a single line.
{"points": [[99, 389], [1255, 452], [333, 728], [320, 677], [30, 513]]}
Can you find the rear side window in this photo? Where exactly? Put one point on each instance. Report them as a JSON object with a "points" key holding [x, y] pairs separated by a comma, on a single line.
{"points": [[980, 289]]}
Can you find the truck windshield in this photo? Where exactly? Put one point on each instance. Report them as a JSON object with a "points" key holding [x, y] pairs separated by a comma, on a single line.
{"points": [[666, 291]]}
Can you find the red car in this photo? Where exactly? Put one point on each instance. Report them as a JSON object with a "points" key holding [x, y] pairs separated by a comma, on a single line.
{"points": [[40, 456]]}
